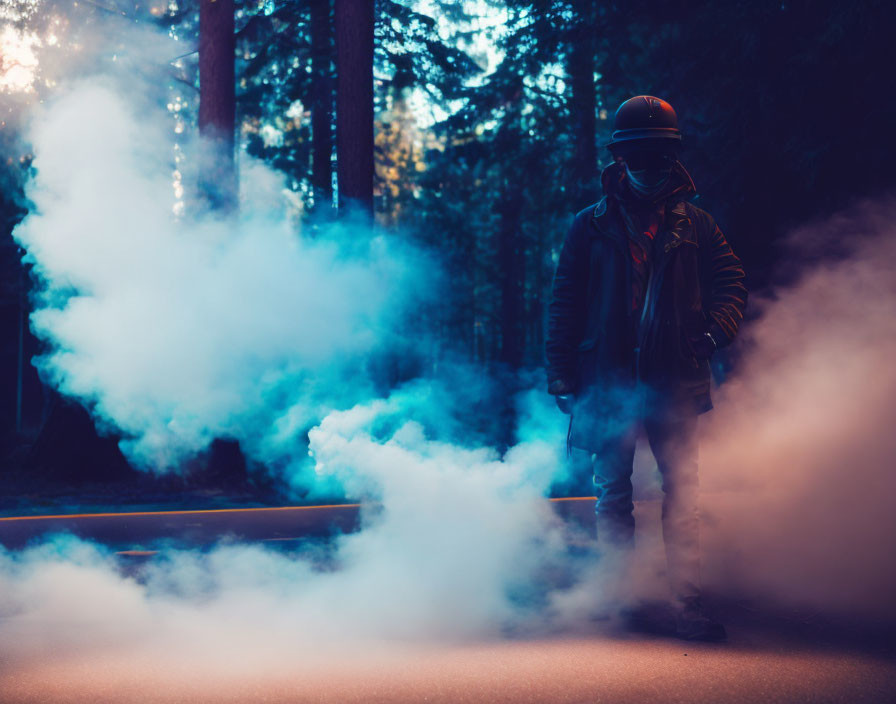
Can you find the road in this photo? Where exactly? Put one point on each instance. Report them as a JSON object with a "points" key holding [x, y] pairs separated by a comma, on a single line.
{"points": [[767, 658], [130, 530], [563, 670]]}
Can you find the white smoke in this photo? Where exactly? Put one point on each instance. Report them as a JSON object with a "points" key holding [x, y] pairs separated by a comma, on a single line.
{"points": [[177, 329], [181, 330], [450, 547]]}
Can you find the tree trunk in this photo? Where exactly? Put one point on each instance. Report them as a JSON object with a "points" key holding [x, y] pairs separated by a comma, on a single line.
{"points": [[218, 179], [511, 267], [511, 276], [217, 103], [354, 105], [321, 105], [581, 63]]}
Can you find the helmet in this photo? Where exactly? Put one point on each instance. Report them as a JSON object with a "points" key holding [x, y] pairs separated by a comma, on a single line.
{"points": [[645, 118]]}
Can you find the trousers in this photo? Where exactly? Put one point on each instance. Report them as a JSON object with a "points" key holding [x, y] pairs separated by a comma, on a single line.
{"points": [[673, 441]]}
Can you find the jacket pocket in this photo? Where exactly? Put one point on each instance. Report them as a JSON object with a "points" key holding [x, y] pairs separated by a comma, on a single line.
{"points": [[691, 327]]}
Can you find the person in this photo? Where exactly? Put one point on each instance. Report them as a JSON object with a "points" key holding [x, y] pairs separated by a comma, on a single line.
{"points": [[646, 290]]}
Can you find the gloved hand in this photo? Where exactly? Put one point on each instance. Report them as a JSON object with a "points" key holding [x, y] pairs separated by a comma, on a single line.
{"points": [[563, 394], [565, 402], [703, 346]]}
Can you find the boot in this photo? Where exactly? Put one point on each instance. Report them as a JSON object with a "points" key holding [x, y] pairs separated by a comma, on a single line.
{"points": [[692, 622]]}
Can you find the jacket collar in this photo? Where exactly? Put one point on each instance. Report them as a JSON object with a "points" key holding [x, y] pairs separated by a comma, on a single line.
{"points": [[680, 185], [679, 188]]}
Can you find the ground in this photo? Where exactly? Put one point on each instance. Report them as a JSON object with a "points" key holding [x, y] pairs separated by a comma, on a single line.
{"points": [[583, 669], [769, 657]]}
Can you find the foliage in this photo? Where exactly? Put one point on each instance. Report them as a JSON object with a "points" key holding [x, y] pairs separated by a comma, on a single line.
{"points": [[783, 105]]}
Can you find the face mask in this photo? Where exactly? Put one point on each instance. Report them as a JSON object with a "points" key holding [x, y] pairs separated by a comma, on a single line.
{"points": [[648, 182]]}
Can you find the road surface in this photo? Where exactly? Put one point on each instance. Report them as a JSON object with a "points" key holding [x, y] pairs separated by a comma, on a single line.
{"points": [[767, 658], [131, 530], [562, 670]]}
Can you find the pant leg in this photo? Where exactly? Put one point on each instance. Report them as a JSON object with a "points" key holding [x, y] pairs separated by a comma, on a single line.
{"points": [[673, 440], [580, 484], [613, 464], [580, 468]]}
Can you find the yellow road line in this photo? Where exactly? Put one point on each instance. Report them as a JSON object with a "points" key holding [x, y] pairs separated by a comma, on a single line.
{"points": [[175, 513], [194, 512]]}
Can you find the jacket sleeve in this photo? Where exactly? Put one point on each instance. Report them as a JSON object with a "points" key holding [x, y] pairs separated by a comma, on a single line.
{"points": [[725, 296], [566, 308]]}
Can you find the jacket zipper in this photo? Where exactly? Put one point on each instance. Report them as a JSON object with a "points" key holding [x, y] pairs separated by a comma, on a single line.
{"points": [[655, 274]]}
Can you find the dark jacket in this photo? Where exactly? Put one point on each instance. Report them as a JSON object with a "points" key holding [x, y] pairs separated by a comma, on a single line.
{"points": [[695, 286]]}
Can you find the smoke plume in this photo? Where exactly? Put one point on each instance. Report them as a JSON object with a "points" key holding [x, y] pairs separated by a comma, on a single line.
{"points": [[180, 329], [798, 458]]}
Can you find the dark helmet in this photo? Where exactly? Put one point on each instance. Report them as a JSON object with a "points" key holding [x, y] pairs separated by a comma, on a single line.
{"points": [[645, 118]]}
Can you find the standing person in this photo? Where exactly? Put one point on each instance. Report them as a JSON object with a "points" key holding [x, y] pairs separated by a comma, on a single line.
{"points": [[646, 289]]}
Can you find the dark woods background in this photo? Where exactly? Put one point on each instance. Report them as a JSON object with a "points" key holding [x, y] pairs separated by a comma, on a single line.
{"points": [[787, 112]]}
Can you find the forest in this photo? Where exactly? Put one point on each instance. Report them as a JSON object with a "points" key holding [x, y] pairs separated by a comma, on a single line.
{"points": [[473, 130]]}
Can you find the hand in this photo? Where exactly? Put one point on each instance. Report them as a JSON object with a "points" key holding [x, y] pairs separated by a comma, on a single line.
{"points": [[703, 346], [565, 403], [563, 394]]}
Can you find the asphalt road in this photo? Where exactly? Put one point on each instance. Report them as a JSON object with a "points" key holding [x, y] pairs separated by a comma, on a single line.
{"points": [[134, 530], [766, 659], [561, 670]]}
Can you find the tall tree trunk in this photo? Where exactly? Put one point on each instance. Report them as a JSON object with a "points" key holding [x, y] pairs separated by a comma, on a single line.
{"points": [[225, 463], [511, 266], [581, 64], [354, 105], [321, 104], [217, 102]]}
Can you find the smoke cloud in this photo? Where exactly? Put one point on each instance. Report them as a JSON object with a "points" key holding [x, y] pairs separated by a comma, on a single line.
{"points": [[451, 546], [178, 327], [178, 330], [798, 458]]}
